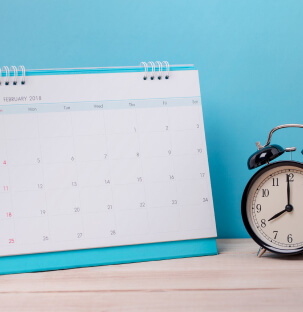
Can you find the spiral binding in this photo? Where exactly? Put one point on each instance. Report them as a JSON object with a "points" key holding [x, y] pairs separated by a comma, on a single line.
{"points": [[8, 78], [152, 69]]}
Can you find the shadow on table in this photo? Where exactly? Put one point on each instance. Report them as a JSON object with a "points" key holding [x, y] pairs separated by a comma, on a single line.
{"points": [[272, 255]]}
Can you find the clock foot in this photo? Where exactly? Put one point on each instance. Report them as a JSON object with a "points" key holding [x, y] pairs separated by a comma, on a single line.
{"points": [[261, 252]]}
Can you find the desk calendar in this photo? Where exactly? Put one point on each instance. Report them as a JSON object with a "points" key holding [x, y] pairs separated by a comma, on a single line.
{"points": [[102, 165]]}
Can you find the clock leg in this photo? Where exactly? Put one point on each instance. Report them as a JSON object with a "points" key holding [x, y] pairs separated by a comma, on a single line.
{"points": [[261, 252]]}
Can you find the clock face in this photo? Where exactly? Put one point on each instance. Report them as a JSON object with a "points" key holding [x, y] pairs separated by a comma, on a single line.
{"points": [[272, 207]]}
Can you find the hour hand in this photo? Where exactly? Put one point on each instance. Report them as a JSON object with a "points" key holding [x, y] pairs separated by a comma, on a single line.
{"points": [[288, 208], [277, 215]]}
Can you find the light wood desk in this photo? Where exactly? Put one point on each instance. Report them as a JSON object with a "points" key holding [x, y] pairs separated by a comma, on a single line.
{"points": [[235, 280]]}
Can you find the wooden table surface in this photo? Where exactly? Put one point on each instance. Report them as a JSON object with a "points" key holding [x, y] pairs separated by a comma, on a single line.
{"points": [[235, 280]]}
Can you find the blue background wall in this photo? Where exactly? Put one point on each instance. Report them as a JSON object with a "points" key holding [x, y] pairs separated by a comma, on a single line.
{"points": [[249, 55]]}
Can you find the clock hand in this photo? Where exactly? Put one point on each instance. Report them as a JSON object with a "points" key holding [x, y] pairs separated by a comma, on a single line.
{"points": [[288, 191], [277, 214], [288, 207]]}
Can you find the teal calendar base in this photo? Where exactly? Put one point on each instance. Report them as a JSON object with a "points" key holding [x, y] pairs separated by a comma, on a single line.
{"points": [[105, 256]]}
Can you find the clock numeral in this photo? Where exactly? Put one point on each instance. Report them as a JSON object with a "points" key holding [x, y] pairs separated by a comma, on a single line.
{"points": [[290, 176], [265, 192], [289, 238], [275, 182], [263, 223], [258, 208], [276, 233]]}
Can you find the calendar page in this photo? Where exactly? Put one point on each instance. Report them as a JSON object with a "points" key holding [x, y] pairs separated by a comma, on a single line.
{"points": [[97, 160]]}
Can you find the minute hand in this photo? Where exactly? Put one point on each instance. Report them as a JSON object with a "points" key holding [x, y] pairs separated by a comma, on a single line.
{"points": [[288, 207], [288, 191]]}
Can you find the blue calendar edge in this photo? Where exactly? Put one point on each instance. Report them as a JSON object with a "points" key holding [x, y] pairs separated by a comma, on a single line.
{"points": [[94, 70], [107, 256]]}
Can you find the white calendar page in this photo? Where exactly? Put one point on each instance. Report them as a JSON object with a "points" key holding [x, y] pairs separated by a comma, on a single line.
{"points": [[97, 160]]}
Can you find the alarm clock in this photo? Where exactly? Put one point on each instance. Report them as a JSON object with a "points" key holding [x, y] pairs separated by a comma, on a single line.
{"points": [[272, 202]]}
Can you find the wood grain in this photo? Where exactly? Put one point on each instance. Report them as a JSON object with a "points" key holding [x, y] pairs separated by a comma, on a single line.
{"points": [[235, 280]]}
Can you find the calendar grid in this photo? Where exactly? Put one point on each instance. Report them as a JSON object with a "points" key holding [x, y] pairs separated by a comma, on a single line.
{"points": [[79, 234], [120, 174], [112, 205], [172, 176], [45, 237], [144, 204], [10, 213]]}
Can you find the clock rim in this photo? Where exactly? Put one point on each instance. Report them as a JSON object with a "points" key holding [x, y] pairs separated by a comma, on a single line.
{"points": [[248, 227]]}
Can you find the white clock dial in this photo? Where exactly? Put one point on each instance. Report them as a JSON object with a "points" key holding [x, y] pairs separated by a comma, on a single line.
{"points": [[275, 207]]}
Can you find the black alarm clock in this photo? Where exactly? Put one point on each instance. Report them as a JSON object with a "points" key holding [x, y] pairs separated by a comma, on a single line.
{"points": [[272, 202]]}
